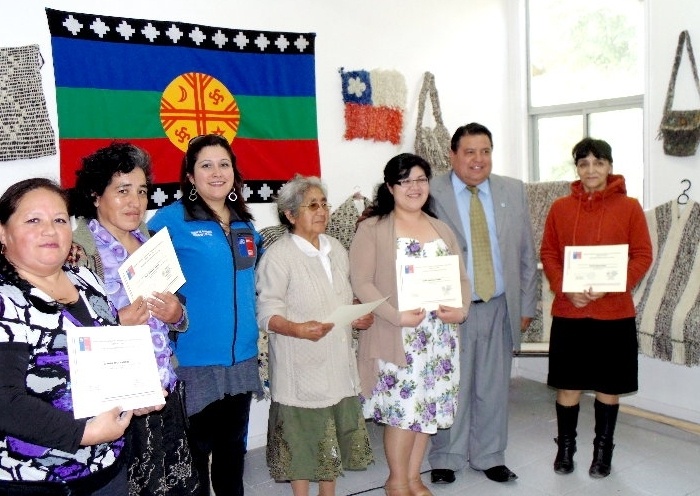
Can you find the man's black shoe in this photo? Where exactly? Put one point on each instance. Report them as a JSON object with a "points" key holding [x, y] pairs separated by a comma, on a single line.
{"points": [[442, 476], [500, 473]]}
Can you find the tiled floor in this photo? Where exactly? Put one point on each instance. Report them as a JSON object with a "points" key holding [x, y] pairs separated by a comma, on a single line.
{"points": [[650, 458]]}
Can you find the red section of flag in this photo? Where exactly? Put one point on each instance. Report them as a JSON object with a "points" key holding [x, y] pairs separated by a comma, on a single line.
{"points": [[275, 159], [257, 159], [374, 123]]}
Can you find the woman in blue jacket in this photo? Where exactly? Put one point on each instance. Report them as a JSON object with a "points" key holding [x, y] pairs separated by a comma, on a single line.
{"points": [[218, 248]]}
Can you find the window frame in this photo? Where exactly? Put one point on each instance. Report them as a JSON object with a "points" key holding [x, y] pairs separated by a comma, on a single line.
{"points": [[583, 109]]}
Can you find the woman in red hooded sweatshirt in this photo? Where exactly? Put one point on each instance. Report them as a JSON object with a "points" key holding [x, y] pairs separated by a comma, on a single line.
{"points": [[593, 342]]}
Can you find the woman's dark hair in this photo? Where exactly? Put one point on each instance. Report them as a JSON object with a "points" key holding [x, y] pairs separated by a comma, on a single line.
{"points": [[196, 144], [599, 148], [399, 167], [99, 169], [9, 201]]}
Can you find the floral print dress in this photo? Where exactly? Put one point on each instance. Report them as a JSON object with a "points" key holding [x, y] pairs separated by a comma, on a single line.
{"points": [[422, 396]]}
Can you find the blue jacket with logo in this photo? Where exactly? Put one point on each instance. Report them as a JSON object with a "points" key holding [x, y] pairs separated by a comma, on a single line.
{"points": [[219, 287]]}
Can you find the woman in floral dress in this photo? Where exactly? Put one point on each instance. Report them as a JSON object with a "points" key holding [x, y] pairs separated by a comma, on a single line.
{"points": [[409, 359]]}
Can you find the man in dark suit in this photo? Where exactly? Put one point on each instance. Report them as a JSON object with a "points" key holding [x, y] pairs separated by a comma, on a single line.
{"points": [[492, 330]]}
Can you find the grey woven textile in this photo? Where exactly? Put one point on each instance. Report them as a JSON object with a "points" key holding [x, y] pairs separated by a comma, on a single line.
{"points": [[26, 131], [433, 144], [343, 219], [270, 234], [667, 300], [540, 197]]}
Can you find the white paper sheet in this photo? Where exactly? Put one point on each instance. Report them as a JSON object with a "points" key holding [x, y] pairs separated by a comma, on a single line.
{"points": [[601, 268], [345, 314], [429, 282], [153, 267], [112, 366]]}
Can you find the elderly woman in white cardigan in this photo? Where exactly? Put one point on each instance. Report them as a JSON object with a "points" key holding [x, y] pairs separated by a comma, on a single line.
{"points": [[316, 428]]}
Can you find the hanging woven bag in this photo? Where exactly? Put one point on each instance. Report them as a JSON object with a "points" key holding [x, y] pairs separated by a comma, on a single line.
{"points": [[433, 144]]}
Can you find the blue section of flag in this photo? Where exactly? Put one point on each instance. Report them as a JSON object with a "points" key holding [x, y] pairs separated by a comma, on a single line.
{"points": [[357, 87], [124, 66]]}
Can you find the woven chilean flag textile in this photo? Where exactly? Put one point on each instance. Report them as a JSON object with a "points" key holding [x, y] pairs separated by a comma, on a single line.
{"points": [[158, 84], [374, 104]]}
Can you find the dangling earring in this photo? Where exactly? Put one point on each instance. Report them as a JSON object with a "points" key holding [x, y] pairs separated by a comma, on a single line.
{"points": [[235, 196], [193, 194], [2, 248]]}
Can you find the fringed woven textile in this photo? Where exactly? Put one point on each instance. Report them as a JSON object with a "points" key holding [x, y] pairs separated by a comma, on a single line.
{"points": [[667, 300], [24, 120], [343, 220], [375, 102]]}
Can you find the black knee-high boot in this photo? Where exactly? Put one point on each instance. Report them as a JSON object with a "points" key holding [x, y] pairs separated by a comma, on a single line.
{"points": [[567, 420], [605, 420]]}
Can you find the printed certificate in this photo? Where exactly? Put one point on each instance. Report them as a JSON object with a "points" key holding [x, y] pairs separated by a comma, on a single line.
{"points": [[153, 267], [345, 314], [112, 366], [429, 282], [600, 268]]}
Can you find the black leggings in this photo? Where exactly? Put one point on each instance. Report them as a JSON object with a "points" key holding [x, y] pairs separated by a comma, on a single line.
{"points": [[221, 429]]}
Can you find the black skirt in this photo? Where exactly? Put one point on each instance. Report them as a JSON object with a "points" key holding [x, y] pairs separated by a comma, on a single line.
{"points": [[161, 462], [591, 354]]}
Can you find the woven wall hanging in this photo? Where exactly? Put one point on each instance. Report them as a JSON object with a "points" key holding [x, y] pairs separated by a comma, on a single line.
{"points": [[24, 120], [680, 129], [375, 102], [433, 144]]}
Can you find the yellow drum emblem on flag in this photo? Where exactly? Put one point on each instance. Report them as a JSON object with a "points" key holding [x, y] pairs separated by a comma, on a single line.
{"points": [[194, 104]]}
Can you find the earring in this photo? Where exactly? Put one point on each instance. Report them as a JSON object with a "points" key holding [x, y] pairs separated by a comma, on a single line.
{"points": [[2, 248], [235, 196], [193, 194]]}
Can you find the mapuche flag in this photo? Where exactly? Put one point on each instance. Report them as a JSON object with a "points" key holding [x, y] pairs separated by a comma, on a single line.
{"points": [[158, 84]]}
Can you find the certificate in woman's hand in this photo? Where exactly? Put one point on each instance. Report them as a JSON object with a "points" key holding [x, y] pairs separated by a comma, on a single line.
{"points": [[428, 282], [601, 268], [112, 366]]}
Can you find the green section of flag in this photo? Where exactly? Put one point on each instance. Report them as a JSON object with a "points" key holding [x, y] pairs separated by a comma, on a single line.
{"points": [[136, 114], [287, 118]]}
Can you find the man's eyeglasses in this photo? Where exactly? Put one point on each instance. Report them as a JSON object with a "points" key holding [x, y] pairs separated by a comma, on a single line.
{"points": [[214, 138], [405, 183], [313, 206]]}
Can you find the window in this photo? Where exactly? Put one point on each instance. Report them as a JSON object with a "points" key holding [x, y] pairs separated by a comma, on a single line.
{"points": [[586, 79]]}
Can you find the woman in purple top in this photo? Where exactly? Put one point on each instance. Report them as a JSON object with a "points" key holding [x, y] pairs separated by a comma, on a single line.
{"points": [[109, 202], [44, 449]]}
